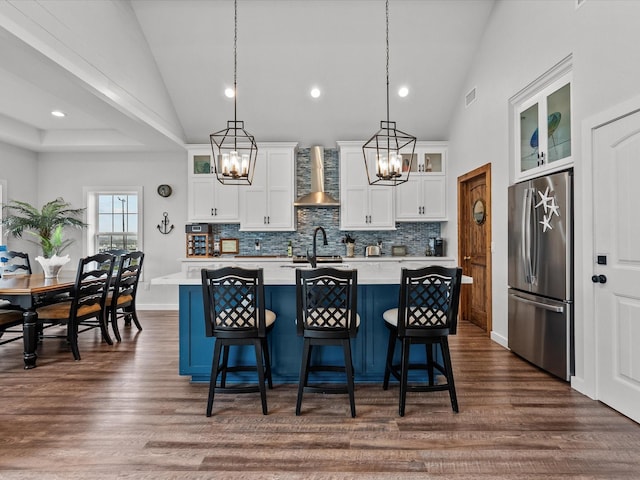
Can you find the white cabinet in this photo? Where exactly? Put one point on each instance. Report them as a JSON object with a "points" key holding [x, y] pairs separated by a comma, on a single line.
{"points": [[267, 204], [209, 200], [423, 197], [542, 128], [362, 206]]}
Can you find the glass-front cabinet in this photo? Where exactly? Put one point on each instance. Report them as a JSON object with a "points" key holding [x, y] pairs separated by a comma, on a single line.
{"points": [[543, 130], [208, 199], [425, 159], [423, 197]]}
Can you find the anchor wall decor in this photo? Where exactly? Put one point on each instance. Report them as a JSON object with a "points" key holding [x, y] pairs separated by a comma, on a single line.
{"points": [[164, 227]]}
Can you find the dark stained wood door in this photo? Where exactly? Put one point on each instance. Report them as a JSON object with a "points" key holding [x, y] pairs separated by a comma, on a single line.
{"points": [[474, 244]]}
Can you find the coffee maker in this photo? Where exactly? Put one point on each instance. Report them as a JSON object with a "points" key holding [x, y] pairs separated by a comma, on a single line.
{"points": [[435, 247]]}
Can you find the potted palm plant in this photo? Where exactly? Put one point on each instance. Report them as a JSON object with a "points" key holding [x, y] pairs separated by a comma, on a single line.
{"points": [[46, 226]]}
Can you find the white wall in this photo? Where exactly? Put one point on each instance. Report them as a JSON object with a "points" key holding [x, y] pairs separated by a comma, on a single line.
{"points": [[523, 40], [65, 174], [18, 168]]}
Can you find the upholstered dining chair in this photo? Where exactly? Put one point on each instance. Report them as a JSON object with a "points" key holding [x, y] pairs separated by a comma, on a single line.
{"points": [[121, 301], [326, 304], [427, 314], [86, 307], [235, 314]]}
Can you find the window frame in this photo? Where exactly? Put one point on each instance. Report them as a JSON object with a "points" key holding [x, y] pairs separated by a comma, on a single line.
{"points": [[91, 205]]}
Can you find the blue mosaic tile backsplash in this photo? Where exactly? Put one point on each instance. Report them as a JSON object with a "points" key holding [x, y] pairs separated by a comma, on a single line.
{"points": [[414, 235]]}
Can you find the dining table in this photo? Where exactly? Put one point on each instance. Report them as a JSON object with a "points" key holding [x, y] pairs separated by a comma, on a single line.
{"points": [[28, 292]]}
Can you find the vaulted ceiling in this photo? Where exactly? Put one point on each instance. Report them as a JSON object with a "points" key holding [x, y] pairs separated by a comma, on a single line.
{"points": [[73, 56]]}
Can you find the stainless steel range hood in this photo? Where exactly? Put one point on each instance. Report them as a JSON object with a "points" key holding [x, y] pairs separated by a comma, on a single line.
{"points": [[318, 197]]}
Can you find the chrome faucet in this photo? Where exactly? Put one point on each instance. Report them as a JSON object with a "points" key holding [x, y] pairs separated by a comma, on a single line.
{"points": [[313, 259]]}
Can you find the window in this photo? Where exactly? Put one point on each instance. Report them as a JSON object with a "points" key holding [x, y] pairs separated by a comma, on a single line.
{"points": [[114, 216]]}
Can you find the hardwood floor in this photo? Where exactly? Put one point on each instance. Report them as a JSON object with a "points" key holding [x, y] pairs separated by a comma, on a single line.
{"points": [[124, 412]]}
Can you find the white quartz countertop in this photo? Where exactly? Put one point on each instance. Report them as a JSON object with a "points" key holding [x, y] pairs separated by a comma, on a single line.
{"points": [[281, 270]]}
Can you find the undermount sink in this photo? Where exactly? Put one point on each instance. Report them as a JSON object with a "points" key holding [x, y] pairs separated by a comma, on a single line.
{"points": [[319, 259], [325, 264]]}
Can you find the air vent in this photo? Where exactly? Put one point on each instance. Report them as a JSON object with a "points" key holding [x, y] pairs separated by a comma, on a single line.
{"points": [[470, 97]]}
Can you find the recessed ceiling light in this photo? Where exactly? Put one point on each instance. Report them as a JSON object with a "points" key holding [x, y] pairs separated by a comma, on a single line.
{"points": [[229, 93], [58, 113], [315, 92], [403, 91]]}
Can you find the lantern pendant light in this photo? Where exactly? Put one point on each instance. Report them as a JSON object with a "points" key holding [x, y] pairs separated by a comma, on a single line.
{"points": [[389, 154], [234, 149]]}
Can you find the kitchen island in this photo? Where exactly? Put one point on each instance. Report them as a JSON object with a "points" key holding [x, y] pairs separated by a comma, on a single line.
{"points": [[378, 286]]}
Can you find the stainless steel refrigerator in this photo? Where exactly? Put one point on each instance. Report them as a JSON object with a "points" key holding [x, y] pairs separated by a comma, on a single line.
{"points": [[541, 272]]}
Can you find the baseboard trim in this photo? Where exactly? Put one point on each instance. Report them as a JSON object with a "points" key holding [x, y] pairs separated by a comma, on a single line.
{"points": [[500, 340], [157, 306]]}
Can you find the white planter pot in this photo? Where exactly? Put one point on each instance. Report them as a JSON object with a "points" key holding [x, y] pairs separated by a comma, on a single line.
{"points": [[51, 266]]}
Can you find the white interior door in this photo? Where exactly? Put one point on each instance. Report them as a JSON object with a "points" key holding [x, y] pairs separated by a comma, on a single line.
{"points": [[616, 164]]}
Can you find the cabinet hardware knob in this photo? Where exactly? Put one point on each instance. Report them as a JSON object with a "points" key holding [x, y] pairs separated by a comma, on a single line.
{"points": [[599, 279], [466, 257]]}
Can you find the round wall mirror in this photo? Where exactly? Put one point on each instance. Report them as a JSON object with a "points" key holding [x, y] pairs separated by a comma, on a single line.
{"points": [[479, 213]]}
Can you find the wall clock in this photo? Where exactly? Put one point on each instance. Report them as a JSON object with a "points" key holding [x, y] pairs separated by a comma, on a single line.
{"points": [[164, 190]]}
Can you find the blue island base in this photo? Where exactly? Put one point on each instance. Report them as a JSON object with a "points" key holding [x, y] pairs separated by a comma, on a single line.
{"points": [[369, 348]]}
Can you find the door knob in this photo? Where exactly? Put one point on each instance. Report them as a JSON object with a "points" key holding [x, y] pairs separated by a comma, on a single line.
{"points": [[599, 279]]}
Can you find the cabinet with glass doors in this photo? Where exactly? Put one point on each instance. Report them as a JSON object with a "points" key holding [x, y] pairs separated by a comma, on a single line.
{"points": [[543, 130]]}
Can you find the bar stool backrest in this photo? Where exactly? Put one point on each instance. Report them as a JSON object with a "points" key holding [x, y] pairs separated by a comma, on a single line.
{"points": [[326, 301], [235, 306], [428, 301]]}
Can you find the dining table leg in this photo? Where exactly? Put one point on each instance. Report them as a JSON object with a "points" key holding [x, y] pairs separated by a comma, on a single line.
{"points": [[30, 338]]}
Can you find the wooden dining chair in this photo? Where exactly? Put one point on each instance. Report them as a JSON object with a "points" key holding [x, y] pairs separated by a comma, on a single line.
{"points": [[18, 262], [121, 301], [235, 314], [10, 322], [326, 304], [86, 307], [427, 314]]}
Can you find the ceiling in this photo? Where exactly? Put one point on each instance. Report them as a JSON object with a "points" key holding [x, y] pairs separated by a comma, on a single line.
{"points": [[285, 47]]}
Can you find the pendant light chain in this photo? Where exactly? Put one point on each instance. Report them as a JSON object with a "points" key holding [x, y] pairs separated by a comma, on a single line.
{"points": [[387, 37], [389, 149], [235, 57], [234, 149]]}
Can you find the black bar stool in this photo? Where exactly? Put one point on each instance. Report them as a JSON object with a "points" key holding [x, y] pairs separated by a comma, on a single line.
{"points": [[235, 314], [326, 302], [427, 314]]}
